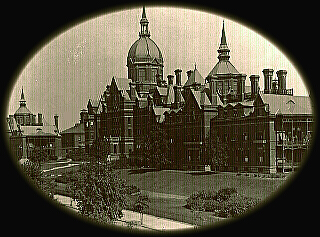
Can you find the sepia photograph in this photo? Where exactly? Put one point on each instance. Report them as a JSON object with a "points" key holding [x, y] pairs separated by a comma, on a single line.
{"points": [[159, 119]]}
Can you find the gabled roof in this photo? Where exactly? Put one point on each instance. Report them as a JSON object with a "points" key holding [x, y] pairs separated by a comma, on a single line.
{"points": [[77, 128], [200, 97], [195, 78], [159, 112], [287, 104], [170, 95], [94, 103], [122, 83], [162, 91]]}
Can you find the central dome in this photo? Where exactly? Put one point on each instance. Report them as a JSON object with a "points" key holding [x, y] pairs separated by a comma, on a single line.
{"points": [[144, 50], [144, 61]]}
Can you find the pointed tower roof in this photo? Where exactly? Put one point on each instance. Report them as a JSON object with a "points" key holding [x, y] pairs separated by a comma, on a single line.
{"points": [[22, 110], [22, 99], [224, 66], [144, 24], [223, 48], [195, 78], [144, 12]]}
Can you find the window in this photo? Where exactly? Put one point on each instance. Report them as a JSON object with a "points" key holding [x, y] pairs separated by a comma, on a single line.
{"points": [[79, 139], [115, 148], [142, 74], [261, 159], [246, 159], [129, 121], [129, 132]]}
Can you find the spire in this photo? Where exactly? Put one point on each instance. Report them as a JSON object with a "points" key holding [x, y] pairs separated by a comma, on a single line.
{"points": [[144, 12], [144, 24], [223, 48], [22, 99]]}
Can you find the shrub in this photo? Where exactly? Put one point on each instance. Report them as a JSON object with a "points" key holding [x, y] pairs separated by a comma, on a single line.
{"points": [[225, 193], [224, 203], [236, 205]]}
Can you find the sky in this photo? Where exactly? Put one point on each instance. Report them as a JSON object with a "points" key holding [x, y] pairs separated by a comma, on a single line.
{"points": [[77, 64]]}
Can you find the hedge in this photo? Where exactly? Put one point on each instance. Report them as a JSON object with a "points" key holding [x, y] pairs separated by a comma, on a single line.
{"points": [[223, 203]]}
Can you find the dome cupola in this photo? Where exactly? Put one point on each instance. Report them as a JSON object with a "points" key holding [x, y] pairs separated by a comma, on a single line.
{"points": [[144, 59]]}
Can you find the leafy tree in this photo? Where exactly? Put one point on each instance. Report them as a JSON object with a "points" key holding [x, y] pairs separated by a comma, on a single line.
{"points": [[155, 148], [141, 204], [99, 150], [41, 180], [99, 193], [38, 154], [216, 151]]}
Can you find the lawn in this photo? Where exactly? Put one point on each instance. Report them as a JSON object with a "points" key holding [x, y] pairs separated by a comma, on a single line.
{"points": [[185, 183]]}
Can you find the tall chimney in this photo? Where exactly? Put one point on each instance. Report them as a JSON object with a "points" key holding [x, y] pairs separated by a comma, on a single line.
{"points": [[282, 75], [40, 119], [170, 79], [178, 76], [241, 86], [56, 121], [267, 73], [254, 79], [189, 73]]}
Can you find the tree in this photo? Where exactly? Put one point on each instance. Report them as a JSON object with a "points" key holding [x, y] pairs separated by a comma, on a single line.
{"points": [[216, 151], [38, 155], [99, 149], [155, 148], [99, 193], [41, 181], [141, 204]]}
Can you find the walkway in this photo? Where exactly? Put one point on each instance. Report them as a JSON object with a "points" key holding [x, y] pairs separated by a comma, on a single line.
{"points": [[163, 195], [149, 222], [60, 167]]}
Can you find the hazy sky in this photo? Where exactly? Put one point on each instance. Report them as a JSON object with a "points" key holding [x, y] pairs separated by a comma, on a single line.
{"points": [[81, 61]]}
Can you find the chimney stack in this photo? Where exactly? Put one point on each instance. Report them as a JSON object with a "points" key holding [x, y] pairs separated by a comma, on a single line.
{"points": [[267, 73], [56, 121], [254, 79], [170, 79], [189, 73], [40, 119], [241, 86], [178, 76], [282, 75]]}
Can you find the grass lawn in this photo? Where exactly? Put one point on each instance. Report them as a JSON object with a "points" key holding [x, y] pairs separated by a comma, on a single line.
{"points": [[184, 184]]}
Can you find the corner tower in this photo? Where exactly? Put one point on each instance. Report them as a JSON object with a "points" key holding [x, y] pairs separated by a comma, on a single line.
{"points": [[144, 61], [224, 79]]}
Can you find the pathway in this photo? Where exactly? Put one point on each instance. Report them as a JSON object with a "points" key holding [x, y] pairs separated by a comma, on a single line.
{"points": [[149, 222]]}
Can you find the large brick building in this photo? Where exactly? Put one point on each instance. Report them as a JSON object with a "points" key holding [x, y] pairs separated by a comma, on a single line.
{"points": [[130, 107]]}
